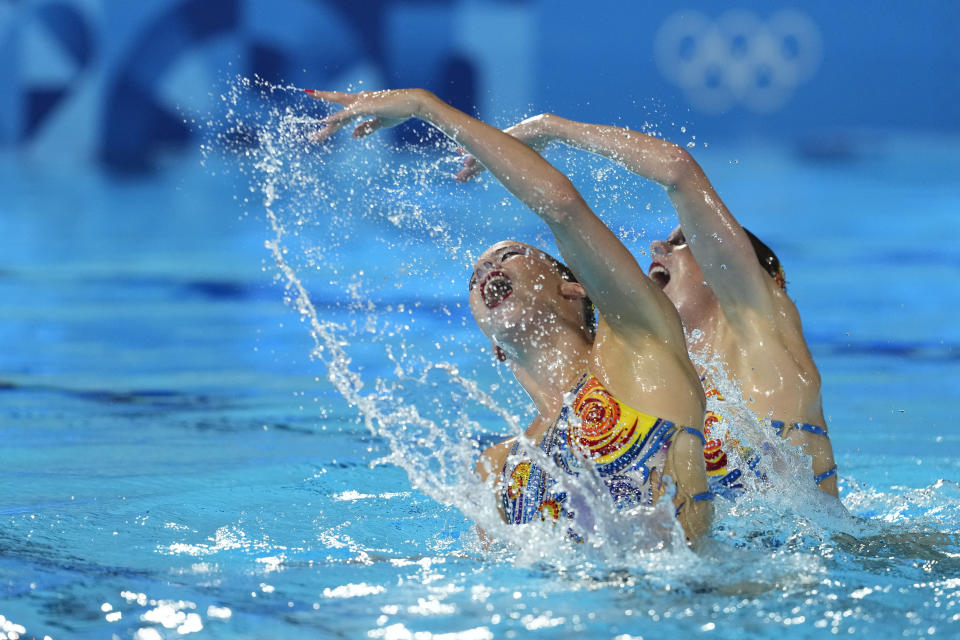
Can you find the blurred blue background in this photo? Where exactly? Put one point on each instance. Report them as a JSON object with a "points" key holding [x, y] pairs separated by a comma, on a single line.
{"points": [[165, 433], [112, 82]]}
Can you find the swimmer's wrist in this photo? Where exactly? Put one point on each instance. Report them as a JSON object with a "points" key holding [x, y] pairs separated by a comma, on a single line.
{"points": [[548, 123], [538, 126], [552, 127], [426, 102]]}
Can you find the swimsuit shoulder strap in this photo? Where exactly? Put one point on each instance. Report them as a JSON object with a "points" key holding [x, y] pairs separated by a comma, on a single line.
{"points": [[832, 471], [810, 428], [687, 497], [780, 427], [700, 497], [696, 432], [777, 425]]}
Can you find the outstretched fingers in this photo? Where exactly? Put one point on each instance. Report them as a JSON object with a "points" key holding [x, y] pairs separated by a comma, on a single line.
{"points": [[339, 97], [330, 127], [333, 123], [471, 169], [380, 122], [383, 109], [366, 128]]}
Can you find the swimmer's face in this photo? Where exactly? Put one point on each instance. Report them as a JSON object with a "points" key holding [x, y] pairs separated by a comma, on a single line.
{"points": [[674, 268], [513, 285]]}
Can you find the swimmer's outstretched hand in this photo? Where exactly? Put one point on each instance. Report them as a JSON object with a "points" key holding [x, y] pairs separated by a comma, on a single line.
{"points": [[389, 109], [534, 132]]}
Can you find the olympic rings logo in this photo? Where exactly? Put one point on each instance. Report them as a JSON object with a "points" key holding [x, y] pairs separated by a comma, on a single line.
{"points": [[738, 58]]}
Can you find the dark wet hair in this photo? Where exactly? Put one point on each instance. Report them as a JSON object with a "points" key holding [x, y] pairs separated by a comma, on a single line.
{"points": [[589, 311], [768, 259]]}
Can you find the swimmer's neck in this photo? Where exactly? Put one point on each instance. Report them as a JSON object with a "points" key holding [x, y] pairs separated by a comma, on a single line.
{"points": [[551, 368]]}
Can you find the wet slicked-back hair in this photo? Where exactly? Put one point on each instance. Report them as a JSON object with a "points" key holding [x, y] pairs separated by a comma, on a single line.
{"points": [[589, 311], [768, 259]]}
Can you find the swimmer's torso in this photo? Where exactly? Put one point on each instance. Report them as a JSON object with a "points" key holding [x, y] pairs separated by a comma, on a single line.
{"points": [[627, 448], [778, 379], [771, 363]]}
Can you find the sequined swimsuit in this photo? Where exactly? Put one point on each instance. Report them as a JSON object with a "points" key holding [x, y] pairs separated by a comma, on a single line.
{"points": [[722, 477], [623, 444], [726, 481]]}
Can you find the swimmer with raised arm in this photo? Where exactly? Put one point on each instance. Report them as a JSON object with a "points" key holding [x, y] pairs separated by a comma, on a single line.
{"points": [[635, 405], [722, 280]]}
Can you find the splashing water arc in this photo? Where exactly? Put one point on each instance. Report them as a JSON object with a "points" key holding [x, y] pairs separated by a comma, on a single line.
{"points": [[434, 441]]}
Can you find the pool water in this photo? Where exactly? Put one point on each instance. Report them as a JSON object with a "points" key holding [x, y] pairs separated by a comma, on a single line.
{"points": [[193, 445]]}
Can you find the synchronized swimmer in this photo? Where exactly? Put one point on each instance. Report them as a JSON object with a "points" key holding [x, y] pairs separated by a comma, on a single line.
{"points": [[727, 285], [600, 329]]}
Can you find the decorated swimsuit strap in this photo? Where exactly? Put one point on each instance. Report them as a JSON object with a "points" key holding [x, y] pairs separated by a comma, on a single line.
{"points": [[687, 496]]}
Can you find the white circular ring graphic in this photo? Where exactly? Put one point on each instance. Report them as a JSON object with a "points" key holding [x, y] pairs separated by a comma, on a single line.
{"points": [[738, 58]]}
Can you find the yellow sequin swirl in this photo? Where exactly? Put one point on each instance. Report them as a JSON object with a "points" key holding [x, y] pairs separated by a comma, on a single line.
{"points": [[608, 429]]}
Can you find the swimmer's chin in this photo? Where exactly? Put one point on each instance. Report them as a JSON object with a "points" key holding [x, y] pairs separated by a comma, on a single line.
{"points": [[501, 319]]}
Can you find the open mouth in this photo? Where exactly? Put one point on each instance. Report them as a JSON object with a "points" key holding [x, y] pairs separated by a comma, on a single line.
{"points": [[495, 289], [659, 274]]}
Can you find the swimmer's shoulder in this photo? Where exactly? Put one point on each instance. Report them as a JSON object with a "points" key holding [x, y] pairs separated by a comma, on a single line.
{"points": [[780, 322], [492, 460]]}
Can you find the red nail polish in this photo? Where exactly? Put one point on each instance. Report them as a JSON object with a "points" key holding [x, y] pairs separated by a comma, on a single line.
{"points": [[310, 91]]}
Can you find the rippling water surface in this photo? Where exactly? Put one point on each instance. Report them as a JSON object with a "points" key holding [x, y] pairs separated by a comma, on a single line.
{"points": [[242, 400]]}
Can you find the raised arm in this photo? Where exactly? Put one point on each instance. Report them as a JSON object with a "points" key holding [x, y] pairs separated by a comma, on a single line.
{"points": [[718, 242], [628, 300]]}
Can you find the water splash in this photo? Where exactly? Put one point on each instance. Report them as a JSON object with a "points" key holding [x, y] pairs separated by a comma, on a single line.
{"points": [[422, 409], [351, 224]]}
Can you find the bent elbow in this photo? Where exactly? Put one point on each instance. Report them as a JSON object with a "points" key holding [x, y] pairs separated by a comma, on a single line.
{"points": [[563, 203], [567, 200], [566, 195], [682, 169]]}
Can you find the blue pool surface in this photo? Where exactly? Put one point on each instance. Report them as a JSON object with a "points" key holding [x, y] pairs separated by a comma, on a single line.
{"points": [[175, 463]]}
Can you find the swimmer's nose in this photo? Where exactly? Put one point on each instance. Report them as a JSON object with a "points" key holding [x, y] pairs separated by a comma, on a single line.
{"points": [[485, 267], [659, 247], [482, 270]]}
